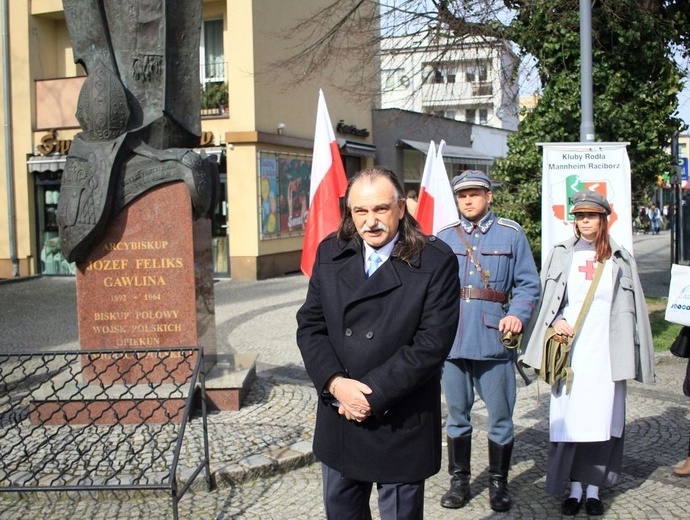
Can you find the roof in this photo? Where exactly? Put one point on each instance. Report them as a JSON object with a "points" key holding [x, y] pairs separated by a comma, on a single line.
{"points": [[453, 154]]}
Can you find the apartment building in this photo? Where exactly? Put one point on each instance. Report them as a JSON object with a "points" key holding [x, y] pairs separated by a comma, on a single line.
{"points": [[255, 118], [472, 79], [435, 87]]}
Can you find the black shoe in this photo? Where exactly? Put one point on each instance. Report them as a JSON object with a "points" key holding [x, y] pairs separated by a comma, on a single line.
{"points": [[594, 507], [499, 497], [499, 464], [571, 506], [458, 495]]}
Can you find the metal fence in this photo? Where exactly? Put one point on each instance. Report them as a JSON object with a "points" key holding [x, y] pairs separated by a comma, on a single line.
{"points": [[103, 420]]}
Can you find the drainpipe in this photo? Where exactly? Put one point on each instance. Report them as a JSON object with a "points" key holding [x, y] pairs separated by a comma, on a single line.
{"points": [[9, 163]]}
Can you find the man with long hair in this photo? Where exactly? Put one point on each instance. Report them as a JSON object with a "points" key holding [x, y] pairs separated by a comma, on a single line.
{"points": [[378, 321]]}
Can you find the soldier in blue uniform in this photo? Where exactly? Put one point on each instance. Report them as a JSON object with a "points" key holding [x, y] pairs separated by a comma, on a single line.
{"points": [[500, 289]]}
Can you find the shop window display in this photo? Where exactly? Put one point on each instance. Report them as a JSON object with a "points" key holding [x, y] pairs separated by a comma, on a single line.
{"points": [[284, 187], [52, 261]]}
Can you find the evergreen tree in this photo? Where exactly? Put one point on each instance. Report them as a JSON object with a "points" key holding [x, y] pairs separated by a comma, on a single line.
{"points": [[635, 87]]}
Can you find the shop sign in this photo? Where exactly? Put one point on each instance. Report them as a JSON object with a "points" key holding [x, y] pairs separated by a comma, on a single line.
{"points": [[51, 144], [351, 129], [206, 139]]}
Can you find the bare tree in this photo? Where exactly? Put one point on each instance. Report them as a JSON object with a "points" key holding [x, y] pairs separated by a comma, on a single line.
{"points": [[347, 33]]}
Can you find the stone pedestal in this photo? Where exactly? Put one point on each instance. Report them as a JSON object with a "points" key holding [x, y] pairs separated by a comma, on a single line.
{"points": [[148, 283], [230, 380]]}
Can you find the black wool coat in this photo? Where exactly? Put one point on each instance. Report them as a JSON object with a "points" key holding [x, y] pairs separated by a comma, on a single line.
{"points": [[392, 332]]}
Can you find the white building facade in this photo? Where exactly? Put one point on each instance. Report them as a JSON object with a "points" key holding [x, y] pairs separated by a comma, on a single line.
{"points": [[473, 79]]}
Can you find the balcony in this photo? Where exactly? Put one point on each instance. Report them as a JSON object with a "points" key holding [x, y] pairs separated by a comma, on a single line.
{"points": [[56, 100], [214, 89], [482, 88], [444, 93], [214, 98]]}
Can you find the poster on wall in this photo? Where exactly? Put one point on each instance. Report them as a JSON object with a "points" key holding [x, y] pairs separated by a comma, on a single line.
{"points": [[268, 183], [284, 193], [571, 167], [294, 193]]}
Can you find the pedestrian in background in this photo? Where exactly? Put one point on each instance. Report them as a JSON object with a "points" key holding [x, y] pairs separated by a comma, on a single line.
{"points": [[655, 217], [499, 291], [683, 469], [614, 343], [376, 326]]}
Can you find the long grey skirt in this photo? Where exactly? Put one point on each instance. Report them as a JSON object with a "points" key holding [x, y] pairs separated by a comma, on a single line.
{"points": [[592, 463]]}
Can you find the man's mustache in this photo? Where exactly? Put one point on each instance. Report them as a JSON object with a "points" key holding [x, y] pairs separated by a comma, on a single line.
{"points": [[375, 227]]}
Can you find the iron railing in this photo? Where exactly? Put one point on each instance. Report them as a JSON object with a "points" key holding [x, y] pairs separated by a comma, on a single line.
{"points": [[94, 420]]}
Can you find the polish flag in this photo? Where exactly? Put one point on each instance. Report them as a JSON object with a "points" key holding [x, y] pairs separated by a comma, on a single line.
{"points": [[436, 206], [327, 187]]}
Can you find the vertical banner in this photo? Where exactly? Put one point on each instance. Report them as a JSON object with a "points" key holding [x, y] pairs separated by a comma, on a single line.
{"points": [[571, 167]]}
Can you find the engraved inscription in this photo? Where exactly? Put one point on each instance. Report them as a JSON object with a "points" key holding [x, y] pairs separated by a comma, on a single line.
{"points": [[128, 271]]}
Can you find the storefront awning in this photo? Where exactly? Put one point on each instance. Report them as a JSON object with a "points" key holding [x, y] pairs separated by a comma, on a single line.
{"points": [[356, 149], [44, 163], [55, 162], [454, 154]]}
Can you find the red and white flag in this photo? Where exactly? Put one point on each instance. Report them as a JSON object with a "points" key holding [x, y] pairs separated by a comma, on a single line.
{"points": [[328, 184], [436, 206]]}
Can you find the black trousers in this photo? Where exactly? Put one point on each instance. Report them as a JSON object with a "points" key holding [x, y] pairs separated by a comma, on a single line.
{"points": [[348, 499]]}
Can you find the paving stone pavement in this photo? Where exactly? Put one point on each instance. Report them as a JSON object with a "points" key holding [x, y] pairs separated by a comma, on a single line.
{"points": [[261, 458]]}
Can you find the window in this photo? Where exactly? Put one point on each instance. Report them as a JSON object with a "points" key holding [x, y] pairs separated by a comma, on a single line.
{"points": [[214, 87], [470, 115], [483, 116], [440, 73], [476, 72], [395, 79], [438, 76], [477, 75], [477, 115], [212, 55], [449, 114]]}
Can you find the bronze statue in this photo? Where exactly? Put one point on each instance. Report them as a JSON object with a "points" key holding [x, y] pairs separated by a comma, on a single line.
{"points": [[139, 111]]}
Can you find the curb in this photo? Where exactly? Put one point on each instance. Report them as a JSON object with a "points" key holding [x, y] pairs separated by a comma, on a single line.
{"points": [[269, 463], [20, 279]]}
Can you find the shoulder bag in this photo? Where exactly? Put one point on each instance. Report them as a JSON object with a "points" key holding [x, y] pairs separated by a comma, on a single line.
{"points": [[555, 361], [678, 304], [681, 345]]}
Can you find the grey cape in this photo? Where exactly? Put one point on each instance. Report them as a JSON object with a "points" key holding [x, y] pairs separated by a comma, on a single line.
{"points": [[631, 344]]}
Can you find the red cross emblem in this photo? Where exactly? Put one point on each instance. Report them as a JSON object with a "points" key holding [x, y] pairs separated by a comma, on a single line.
{"points": [[588, 269]]}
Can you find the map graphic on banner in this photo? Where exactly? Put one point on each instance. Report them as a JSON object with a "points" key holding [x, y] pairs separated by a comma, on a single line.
{"points": [[573, 184], [571, 167]]}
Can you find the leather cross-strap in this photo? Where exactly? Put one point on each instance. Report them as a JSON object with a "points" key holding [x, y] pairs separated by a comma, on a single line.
{"points": [[475, 293]]}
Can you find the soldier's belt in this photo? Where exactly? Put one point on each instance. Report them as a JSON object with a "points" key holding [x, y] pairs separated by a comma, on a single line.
{"points": [[475, 293]]}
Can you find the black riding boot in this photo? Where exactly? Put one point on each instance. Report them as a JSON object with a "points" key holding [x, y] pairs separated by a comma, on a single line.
{"points": [[459, 452], [499, 464]]}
